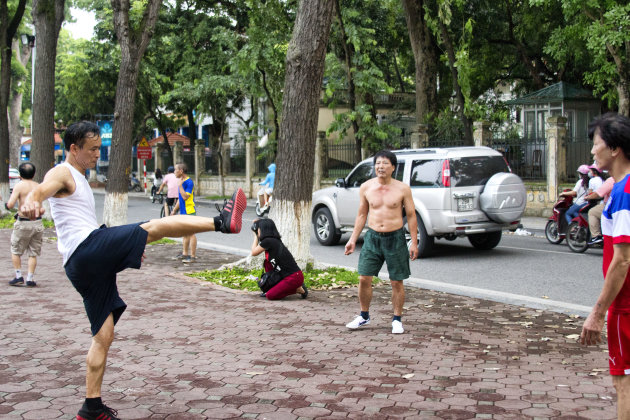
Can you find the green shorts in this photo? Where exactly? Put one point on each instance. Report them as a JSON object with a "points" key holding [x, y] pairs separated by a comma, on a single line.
{"points": [[389, 247]]}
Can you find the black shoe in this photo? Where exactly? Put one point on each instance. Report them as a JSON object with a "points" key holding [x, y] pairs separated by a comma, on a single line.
{"points": [[263, 294], [105, 413], [17, 282], [305, 294], [31, 283], [232, 212], [596, 240]]}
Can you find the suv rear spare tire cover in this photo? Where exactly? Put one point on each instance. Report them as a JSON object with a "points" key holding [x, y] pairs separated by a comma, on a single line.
{"points": [[503, 198]]}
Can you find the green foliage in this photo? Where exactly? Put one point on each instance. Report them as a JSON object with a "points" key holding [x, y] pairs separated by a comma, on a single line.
{"points": [[163, 241], [241, 279], [8, 221]]}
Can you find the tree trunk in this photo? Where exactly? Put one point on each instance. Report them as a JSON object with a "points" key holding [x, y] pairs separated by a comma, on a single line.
{"points": [[16, 131], [425, 57], [7, 32], [274, 108], [133, 44], [623, 68], [47, 17], [459, 96], [192, 127], [296, 146], [352, 97]]}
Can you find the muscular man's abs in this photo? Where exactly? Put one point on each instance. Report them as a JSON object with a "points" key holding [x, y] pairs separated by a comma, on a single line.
{"points": [[385, 207]]}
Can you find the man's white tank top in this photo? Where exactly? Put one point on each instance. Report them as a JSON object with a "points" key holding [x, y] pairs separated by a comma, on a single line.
{"points": [[74, 215]]}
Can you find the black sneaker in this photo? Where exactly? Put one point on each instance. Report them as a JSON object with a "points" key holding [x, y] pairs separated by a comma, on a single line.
{"points": [[31, 283], [596, 240], [17, 282], [305, 294], [105, 413], [232, 212]]}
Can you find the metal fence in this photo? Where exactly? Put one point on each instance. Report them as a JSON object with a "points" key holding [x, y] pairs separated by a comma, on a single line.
{"points": [[526, 157]]}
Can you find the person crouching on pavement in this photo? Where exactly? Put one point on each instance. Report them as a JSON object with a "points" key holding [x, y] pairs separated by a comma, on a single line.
{"points": [[277, 257]]}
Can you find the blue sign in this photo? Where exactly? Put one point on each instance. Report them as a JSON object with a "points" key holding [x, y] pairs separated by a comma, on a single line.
{"points": [[106, 132]]}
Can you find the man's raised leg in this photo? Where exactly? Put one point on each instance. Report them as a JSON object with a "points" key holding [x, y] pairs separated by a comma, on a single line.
{"points": [[229, 220]]}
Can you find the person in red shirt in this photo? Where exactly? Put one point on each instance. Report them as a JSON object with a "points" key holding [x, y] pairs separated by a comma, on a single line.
{"points": [[611, 148]]}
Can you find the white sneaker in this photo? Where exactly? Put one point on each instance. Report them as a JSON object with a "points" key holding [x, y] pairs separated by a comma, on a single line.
{"points": [[357, 322], [397, 327]]}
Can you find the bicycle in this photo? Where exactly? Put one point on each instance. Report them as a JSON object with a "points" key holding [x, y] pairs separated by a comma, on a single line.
{"points": [[170, 208], [157, 197]]}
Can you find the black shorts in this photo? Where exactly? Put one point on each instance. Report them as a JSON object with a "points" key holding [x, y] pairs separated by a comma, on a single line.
{"points": [[93, 266], [170, 201]]}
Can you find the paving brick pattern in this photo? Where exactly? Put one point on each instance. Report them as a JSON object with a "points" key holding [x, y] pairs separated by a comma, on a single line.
{"points": [[187, 350]]}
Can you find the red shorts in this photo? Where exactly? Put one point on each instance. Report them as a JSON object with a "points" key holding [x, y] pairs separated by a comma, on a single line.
{"points": [[619, 343]]}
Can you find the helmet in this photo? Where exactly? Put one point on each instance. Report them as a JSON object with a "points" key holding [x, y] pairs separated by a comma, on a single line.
{"points": [[583, 169], [171, 169]]}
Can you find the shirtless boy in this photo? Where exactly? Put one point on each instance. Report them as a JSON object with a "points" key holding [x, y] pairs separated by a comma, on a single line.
{"points": [[385, 199], [27, 234]]}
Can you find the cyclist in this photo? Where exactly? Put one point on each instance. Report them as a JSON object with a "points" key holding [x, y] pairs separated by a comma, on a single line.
{"points": [[172, 192]]}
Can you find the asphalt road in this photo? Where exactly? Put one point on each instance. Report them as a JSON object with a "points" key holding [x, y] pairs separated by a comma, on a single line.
{"points": [[522, 269]]}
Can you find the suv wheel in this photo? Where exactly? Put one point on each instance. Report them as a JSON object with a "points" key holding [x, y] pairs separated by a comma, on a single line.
{"points": [[503, 198], [485, 241], [325, 229], [425, 242]]}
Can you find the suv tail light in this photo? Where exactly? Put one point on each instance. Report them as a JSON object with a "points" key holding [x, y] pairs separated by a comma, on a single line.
{"points": [[446, 173]]}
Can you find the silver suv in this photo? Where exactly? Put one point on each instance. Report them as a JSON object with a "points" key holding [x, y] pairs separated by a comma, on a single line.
{"points": [[459, 191]]}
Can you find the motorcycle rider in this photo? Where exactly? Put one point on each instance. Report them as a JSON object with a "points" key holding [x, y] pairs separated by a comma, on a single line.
{"points": [[265, 192], [579, 192]]}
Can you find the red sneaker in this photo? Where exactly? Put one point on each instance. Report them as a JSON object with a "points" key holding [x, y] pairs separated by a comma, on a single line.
{"points": [[232, 212]]}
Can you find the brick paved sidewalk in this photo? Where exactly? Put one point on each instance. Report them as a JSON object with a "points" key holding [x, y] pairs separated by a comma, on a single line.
{"points": [[188, 350]]}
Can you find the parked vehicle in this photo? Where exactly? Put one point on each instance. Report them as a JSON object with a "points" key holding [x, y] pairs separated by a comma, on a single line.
{"points": [[579, 234], [556, 227], [14, 178], [459, 191], [134, 183]]}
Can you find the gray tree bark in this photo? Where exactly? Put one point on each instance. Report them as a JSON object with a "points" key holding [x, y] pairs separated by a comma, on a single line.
{"points": [[426, 59], [296, 145], [133, 44], [47, 18], [23, 53], [8, 28]]}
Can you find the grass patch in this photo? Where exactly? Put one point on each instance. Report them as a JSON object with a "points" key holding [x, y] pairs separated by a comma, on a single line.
{"points": [[8, 221], [241, 279], [163, 241], [217, 197]]}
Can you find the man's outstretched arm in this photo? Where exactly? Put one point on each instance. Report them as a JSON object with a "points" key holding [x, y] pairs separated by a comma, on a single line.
{"points": [[56, 180]]}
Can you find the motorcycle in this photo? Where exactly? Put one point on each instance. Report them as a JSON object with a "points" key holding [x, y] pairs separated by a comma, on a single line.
{"points": [[556, 228], [261, 212], [579, 234], [134, 184]]}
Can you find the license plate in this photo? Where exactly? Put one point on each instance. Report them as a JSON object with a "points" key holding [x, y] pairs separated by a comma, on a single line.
{"points": [[464, 204]]}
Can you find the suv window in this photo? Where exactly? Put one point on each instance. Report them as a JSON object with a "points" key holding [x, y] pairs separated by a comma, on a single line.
{"points": [[426, 173], [476, 170], [360, 175], [400, 171]]}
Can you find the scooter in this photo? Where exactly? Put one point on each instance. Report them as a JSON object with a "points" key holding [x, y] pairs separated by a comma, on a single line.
{"points": [[134, 183], [579, 234], [260, 212], [556, 227]]}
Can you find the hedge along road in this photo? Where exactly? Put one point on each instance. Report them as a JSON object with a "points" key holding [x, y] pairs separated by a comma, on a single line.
{"points": [[525, 270]]}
